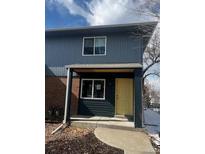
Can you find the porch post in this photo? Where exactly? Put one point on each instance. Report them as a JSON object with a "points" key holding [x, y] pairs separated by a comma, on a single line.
{"points": [[138, 98], [68, 95]]}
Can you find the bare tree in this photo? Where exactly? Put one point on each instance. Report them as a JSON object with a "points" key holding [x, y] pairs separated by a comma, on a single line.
{"points": [[151, 94], [147, 95], [151, 56], [151, 62], [150, 8], [155, 95], [151, 59]]}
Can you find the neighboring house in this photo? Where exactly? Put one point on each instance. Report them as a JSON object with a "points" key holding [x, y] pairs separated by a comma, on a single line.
{"points": [[97, 70]]}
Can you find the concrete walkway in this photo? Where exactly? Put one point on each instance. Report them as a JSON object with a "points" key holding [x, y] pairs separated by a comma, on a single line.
{"points": [[130, 141]]}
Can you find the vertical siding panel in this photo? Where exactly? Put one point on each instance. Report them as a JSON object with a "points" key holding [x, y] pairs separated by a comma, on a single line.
{"points": [[68, 50]]}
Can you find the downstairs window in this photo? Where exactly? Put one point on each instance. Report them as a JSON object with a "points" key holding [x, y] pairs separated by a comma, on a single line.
{"points": [[93, 89]]}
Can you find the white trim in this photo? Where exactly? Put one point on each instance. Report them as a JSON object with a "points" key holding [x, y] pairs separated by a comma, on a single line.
{"points": [[105, 37], [92, 93], [113, 65], [92, 98], [66, 96]]}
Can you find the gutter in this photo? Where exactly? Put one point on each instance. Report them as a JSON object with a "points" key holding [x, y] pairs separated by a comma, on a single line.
{"points": [[58, 128], [66, 105]]}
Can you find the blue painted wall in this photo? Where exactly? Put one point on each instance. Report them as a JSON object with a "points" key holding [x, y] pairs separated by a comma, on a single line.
{"points": [[122, 47], [100, 107]]}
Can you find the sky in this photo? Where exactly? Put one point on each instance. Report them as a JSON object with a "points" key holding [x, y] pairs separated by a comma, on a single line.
{"points": [[78, 13]]}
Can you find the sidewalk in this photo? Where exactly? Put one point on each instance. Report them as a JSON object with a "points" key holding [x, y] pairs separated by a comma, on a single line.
{"points": [[130, 141]]}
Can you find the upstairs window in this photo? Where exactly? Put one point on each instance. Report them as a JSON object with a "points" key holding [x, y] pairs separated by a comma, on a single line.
{"points": [[94, 46], [88, 46]]}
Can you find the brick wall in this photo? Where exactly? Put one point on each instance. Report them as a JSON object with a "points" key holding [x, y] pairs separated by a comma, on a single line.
{"points": [[75, 96], [55, 89]]}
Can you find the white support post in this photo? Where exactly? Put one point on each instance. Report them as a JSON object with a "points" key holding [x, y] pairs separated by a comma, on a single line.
{"points": [[66, 96]]}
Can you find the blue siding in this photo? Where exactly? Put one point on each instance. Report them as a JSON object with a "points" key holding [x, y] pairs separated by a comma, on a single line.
{"points": [[100, 107], [56, 71], [64, 50]]}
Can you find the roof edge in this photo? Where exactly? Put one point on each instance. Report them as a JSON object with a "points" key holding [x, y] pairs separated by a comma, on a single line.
{"points": [[101, 26]]}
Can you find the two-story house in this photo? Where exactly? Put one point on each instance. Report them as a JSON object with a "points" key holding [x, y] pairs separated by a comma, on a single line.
{"points": [[97, 70]]}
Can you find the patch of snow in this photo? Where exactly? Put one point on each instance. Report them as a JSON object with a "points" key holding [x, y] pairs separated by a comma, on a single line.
{"points": [[155, 139], [152, 121], [152, 125], [156, 110]]}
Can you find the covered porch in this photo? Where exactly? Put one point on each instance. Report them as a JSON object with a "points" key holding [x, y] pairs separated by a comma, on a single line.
{"points": [[110, 95]]}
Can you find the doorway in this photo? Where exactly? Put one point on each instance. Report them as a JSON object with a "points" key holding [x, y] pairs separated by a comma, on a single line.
{"points": [[124, 96]]}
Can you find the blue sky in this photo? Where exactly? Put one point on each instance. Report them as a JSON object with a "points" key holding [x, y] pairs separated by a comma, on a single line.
{"points": [[55, 20], [72, 13], [57, 16]]}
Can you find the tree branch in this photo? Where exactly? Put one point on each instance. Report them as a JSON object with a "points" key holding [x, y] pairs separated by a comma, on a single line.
{"points": [[153, 73], [149, 66]]}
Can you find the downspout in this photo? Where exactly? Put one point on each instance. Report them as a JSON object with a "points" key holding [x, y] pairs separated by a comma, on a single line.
{"points": [[66, 96], [66, 104]]}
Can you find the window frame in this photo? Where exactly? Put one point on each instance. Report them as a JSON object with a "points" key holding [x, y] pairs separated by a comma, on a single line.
{"points": [[94, 37], [92, 98]]}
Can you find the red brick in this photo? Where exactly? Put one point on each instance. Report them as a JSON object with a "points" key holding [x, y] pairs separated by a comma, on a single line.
{"points": [[55, 89]]}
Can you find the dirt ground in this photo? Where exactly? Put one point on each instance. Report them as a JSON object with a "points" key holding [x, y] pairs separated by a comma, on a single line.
{"points": [[75, 141]]}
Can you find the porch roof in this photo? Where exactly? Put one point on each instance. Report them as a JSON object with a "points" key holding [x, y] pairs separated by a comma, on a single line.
{"points": [[105, 66]]}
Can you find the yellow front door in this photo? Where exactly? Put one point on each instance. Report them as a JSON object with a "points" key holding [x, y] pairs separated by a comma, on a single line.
{"points": [[124, 96]]}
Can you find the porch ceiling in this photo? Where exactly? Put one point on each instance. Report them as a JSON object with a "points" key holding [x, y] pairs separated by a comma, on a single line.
{"points": [[103, 70], [126, 67]]}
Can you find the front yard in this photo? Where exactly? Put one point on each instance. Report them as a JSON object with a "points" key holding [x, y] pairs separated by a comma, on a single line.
{"points": [[75, 140]]}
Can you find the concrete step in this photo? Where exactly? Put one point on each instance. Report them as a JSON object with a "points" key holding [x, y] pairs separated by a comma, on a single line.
{"points": [[98, 118], [107, 124]]}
